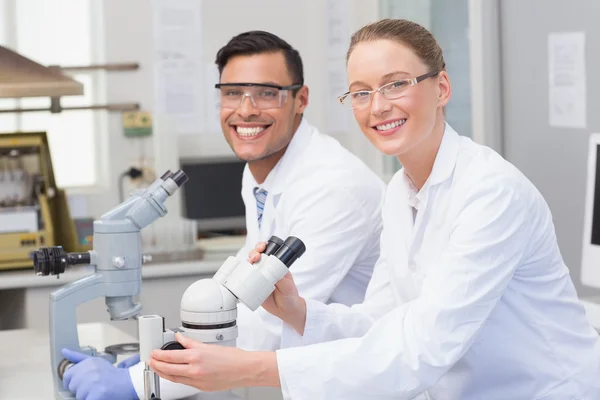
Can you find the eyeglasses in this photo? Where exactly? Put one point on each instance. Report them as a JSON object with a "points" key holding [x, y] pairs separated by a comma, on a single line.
{"points": [[390, 91], [263, 96]]}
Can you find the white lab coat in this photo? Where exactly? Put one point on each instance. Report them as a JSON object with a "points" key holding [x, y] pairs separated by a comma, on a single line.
{"points": [[472, 301], [324, 195]]}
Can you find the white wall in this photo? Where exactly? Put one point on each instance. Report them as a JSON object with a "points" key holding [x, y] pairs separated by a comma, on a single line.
{"points": [[128, 37]]}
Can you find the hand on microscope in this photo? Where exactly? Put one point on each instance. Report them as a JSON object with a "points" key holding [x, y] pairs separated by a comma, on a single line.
{"points": [[94, 378], [216, 367], [208, 367], [285, 302]]}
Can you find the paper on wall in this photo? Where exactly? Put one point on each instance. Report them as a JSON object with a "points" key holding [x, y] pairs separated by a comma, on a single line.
{"points": [[178, 63], [338, 28], [567, 79], [338, 39]]}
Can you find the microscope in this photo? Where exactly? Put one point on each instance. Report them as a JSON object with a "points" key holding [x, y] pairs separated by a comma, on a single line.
{"points": [[117, 259], [209, 306]]}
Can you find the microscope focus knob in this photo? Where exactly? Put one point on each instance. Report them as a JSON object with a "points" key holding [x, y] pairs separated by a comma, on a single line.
{"points": [[172, 345], [63, 366], [54, 260], [49, 261]]}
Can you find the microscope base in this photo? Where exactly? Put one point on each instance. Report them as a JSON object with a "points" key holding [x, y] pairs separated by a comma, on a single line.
{"points": [[64, 396]]}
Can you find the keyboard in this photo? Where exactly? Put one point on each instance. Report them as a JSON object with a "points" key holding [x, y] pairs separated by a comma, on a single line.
{"points": [[222, 244]]}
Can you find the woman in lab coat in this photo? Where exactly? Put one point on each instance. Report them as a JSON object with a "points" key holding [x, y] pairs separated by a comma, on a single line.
{"points": [[470, 298]]}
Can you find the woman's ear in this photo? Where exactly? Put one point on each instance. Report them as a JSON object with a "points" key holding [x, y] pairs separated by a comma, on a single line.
{"points": [[445, 89]]}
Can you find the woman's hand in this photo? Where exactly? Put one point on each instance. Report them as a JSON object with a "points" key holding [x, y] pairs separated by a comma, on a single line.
{"points": [[285, 301], [212, 368]]}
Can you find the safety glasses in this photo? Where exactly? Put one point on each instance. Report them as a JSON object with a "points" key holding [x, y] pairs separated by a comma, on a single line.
{"points": [[391, 91], [262, 95]]}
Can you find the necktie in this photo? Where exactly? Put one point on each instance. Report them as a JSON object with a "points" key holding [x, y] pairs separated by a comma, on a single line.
{"points": [[261, 196]]}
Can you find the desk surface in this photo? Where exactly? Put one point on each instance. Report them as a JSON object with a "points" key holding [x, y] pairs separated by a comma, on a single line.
{"points": [[592, 309], [25, 365]]}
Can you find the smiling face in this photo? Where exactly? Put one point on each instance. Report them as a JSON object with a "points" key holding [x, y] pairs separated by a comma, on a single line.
{"points": [[399, 125], [256, 134]]}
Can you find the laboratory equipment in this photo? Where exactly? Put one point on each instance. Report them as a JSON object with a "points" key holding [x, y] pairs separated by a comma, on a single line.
{"points": [[33, 211], [590, 260], [209, 306], [117, 259], [21, 77]]}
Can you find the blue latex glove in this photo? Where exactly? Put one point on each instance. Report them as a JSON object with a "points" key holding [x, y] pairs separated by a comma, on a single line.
{"points": [[128, 362], [94, 378]]}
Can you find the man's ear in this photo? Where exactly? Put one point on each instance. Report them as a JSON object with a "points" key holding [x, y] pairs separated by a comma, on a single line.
{"points": [[301, 100]]}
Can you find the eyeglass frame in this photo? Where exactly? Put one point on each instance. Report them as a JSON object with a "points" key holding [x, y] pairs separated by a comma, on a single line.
{"points": [[411, 82], [294, 86]]}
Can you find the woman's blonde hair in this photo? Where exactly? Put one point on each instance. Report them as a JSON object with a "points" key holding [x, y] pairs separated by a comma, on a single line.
{"points": [[408, 33]]}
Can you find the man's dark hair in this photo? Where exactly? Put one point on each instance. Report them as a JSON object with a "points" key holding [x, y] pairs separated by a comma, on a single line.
{"points": [[260, 42]]}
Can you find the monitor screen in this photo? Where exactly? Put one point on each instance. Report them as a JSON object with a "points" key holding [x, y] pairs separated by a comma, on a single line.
{"points": [[590, 258], [212, 195], [595, 238]]}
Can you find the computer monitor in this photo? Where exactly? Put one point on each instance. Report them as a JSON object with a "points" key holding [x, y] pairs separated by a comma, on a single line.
{"points": [[212, 196], [590, 260]]}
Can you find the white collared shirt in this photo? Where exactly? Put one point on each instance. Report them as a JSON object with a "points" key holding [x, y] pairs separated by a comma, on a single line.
{"points": [[473, 301], [413, 195]]}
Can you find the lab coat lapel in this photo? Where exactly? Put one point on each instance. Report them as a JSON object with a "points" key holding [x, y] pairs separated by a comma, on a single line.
{"points": [[442, 170], [398, 233], [417, 230], [443, 167], [283, 176], [407, 220]]}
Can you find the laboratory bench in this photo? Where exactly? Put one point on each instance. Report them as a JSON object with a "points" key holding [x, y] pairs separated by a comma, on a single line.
{"points": [[25, 365], [24, 306], [592, 309], [24, 296]]}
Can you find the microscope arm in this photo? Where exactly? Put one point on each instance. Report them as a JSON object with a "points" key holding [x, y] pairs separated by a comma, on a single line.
{"points": [[63, 318]]}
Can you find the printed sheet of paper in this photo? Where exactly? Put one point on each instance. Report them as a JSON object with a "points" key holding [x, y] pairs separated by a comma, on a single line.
{"points": [[178, 64], [567, 79]]}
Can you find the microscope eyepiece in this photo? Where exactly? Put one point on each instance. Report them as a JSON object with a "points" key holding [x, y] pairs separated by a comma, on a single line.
{"points": [[166, 175], [179, 177], [273, 245], [290, 250], [54, 260]]}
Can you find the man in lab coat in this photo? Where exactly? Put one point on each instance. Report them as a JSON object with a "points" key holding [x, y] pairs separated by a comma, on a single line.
{"points": [[297, 182]]}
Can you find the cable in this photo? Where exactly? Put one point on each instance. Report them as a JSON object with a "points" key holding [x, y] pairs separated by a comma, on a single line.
{"points": [[132, 173]]}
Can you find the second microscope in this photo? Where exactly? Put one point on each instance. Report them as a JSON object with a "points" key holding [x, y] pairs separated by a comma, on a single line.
{"points": [[117, 259]]}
